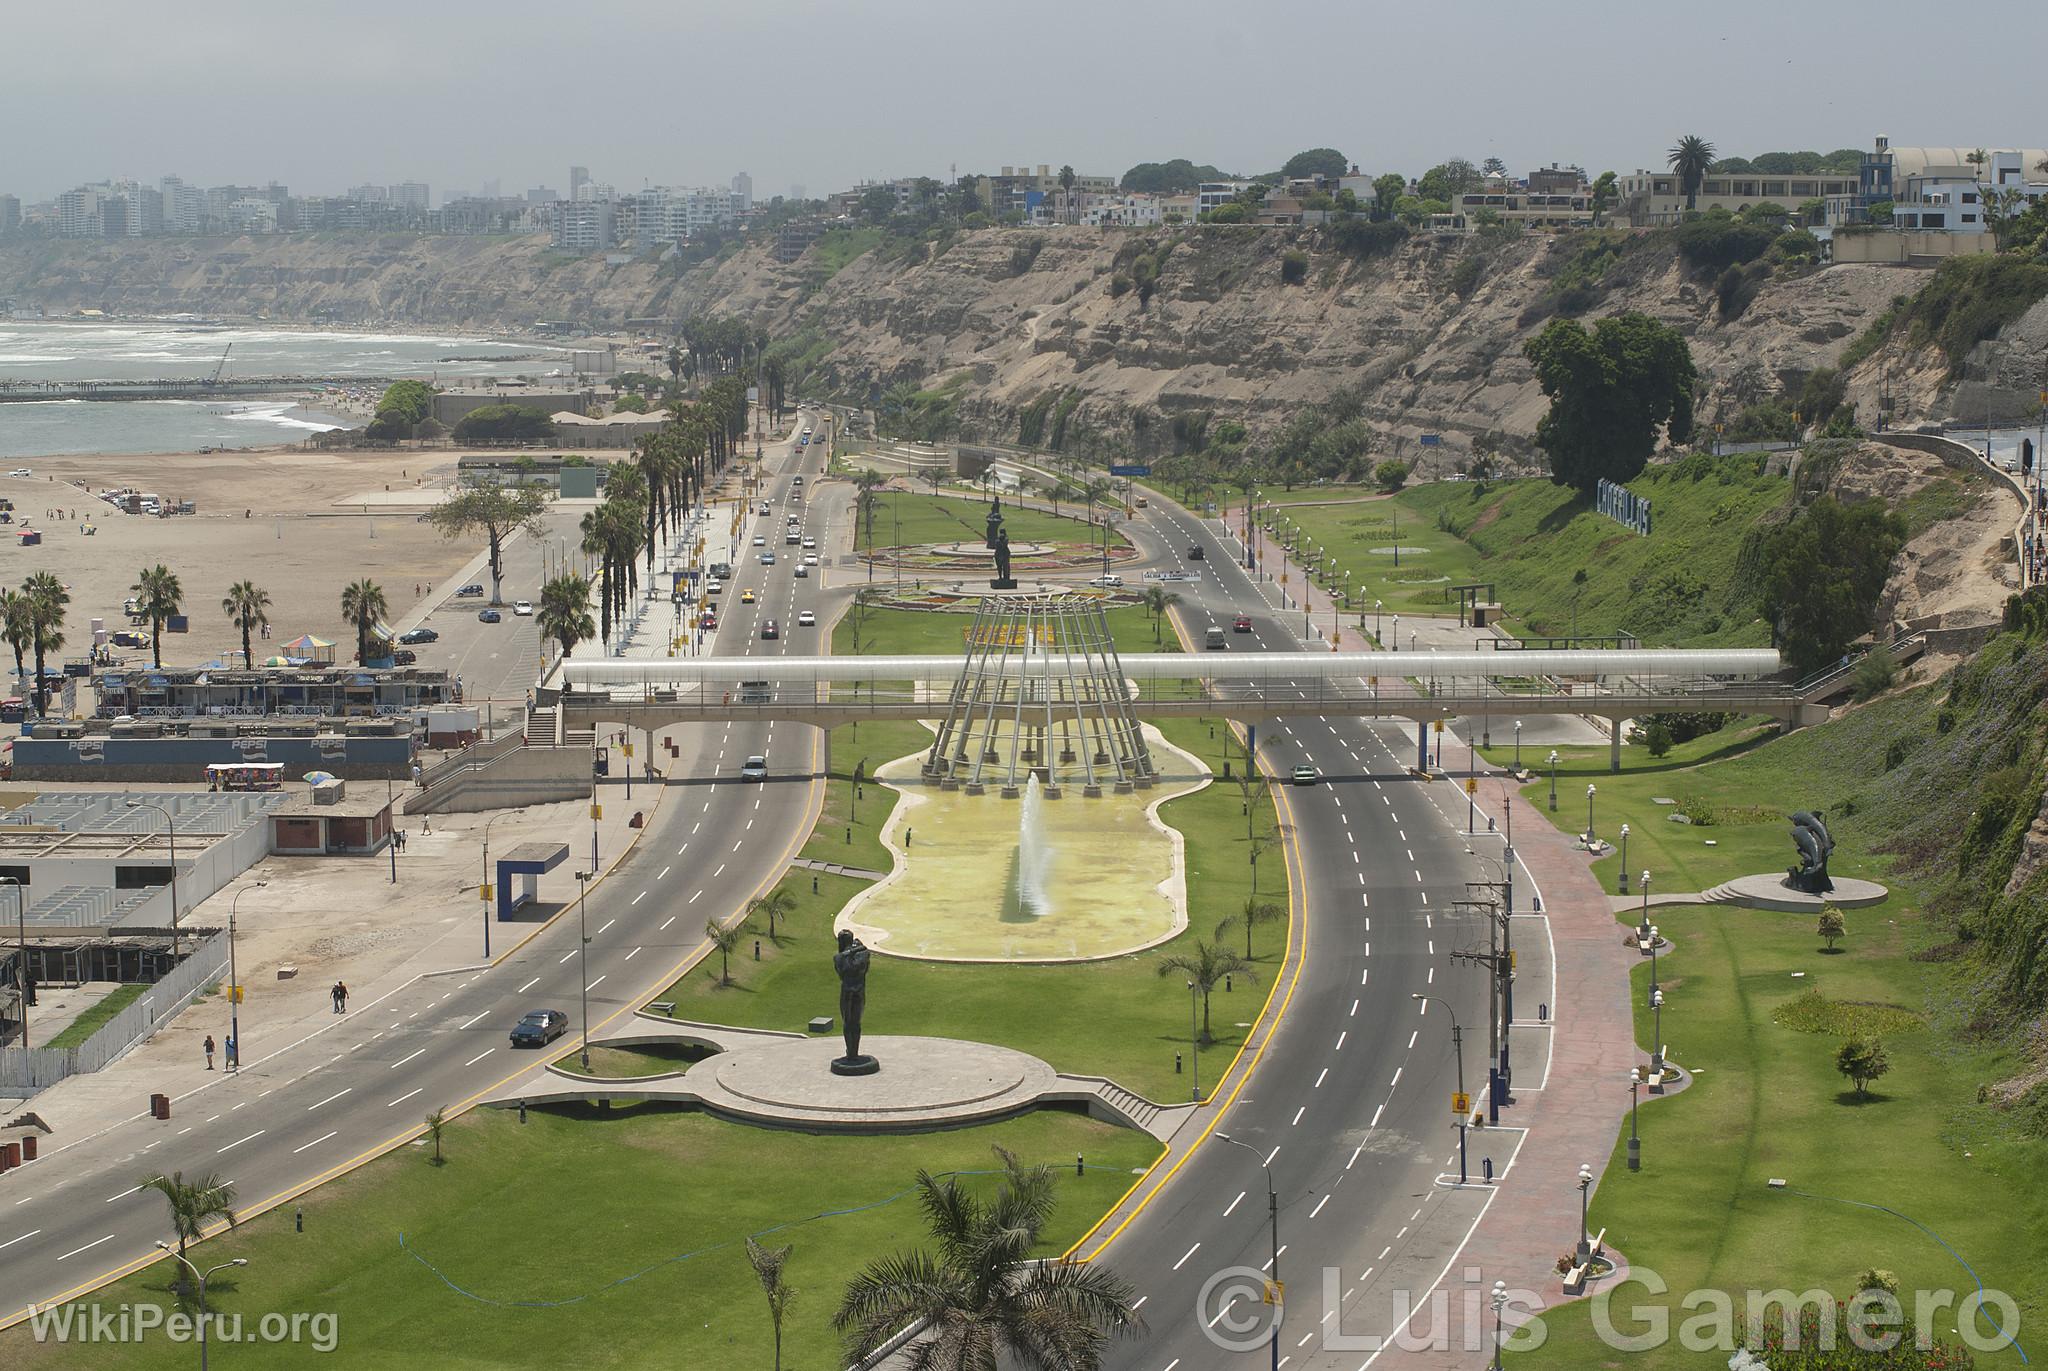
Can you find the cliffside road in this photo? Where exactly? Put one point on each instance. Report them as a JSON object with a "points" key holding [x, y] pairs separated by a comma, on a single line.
{"points": [[77, 1218]]}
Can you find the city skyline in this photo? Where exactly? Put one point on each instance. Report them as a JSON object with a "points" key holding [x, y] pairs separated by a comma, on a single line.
{"points": [[1399, 94]]}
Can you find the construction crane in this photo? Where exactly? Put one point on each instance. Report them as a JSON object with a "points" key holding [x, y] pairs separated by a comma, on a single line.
{"points": [[214, 379]]}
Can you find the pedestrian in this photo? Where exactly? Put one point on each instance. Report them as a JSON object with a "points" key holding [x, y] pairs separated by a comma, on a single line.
{"points": [[334, 996], [209, 1052], [906, 835], [342, 987], [234, 1062]]}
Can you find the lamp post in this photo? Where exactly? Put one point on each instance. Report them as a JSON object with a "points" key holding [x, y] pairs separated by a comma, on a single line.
{"points": [[171, 828], [1500, 1304], [1397, 633], [1376, 622], [1518, 745], [1624, 854], [1653, 958], [234, 981], [1458, 1046], [1273, 1228], [202, 1277], [1584, 1248], [21, 966], [1643, 925], [1589, 811], [1657, 1036], [1553, 780], [1635, 1141], [583, 880], [1195, 1043]]}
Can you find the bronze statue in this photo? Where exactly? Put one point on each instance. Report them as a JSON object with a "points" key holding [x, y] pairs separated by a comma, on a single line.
{"points": [[851, 962], [995, 520], [1003, 557], [1810, 836]]}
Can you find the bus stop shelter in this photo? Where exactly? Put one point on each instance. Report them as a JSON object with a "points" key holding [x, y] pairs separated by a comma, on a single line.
{"points": [[525, 864]]}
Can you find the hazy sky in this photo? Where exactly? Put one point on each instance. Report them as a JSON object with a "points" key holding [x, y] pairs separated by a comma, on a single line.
{"points": [[323, 94]]}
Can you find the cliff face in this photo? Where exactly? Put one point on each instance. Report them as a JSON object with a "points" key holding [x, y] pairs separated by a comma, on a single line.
{"points": [[1432, 343]]}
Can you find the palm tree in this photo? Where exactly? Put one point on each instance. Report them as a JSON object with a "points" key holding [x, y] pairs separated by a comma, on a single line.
{"points": [[1691, 160], [18, 627], [1158, 600], [47, 598], [362, 604], [1256, 911], [768, 1263], [777, 903], [248, 607], [437, 1124], [978, 1295], [1206, 966], [564, 615], [158, 596], [865, 501], [194, 1206], [727, 941]]}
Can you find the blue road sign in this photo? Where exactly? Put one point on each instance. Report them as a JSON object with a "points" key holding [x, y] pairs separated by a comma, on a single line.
{"points": [[1131, 471]]}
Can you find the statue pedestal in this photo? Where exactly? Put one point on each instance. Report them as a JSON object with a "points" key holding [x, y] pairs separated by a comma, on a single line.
{"points": [[862, 1065], [1003, 583]]}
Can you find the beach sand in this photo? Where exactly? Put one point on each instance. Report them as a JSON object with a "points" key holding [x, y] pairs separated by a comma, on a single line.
{"points": [[297, 542]]}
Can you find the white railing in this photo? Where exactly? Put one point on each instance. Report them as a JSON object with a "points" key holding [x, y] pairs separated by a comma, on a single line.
{"points": [[29, 1069]]}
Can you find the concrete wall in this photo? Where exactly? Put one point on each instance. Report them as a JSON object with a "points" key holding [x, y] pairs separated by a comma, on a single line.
{"points": [[522, 776], [147, 760], [1907, 247]]}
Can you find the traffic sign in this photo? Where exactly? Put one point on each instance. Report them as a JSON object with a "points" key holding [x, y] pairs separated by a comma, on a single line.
{"points": [[1471, 782], [1276, 1292], [234, 994], [1438, 724], [483, 892], [1137, 469], [1461, 1104], [1432, 440], [597, 811]]}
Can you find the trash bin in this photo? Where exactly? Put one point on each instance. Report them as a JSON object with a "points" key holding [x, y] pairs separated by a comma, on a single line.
{"points": [[28, 1148], [10, 1156], [160, 1106]]}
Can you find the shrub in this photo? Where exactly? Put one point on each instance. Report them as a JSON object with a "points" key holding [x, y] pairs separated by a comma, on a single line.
{"points": [[1862, 1060], [1466, 276], [1364, 239], [1714, 245], [1119, 285], [1390, 475], [1657, 737], [1294, 267]]}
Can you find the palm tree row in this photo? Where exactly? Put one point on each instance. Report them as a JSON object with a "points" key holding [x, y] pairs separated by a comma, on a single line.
{"points": [[32, 621]]}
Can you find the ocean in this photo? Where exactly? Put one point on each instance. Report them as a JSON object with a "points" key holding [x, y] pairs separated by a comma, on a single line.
{"points": [[170, 349]]}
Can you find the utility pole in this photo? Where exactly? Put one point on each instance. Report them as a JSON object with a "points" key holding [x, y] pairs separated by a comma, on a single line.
{"points": [[1496, 964]]}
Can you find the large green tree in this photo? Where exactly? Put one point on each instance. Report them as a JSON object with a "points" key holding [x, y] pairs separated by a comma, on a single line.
{"points": [[1612, 392], [1822, 574], [1691, 160], [505, 424], [47, 598], [1317, 162], [497, 512], [363, 604]]}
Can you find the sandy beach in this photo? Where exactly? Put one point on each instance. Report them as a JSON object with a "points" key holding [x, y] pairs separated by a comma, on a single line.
{"points": [[280, 518]]}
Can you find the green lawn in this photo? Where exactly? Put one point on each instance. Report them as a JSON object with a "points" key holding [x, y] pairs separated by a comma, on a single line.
{"points": [[588, 1239], [904, 520], [1681, 585], [613, 1063], [913, 632], [1769, 1103], [97, 1017]]}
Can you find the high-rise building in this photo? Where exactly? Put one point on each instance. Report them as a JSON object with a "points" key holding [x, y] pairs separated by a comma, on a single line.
{"points": [[411, 195], [579, 177], [743, 191], [184, 207], [78, 212], [542, 195], [10, 215], [796, 191], [582, 225]]}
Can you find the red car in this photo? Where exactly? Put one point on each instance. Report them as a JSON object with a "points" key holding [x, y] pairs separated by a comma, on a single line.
{"points": [[1243, 624], [710, 620]]}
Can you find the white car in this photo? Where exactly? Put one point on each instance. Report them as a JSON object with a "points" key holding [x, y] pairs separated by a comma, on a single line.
{"points": [[810, 559], [523, 608], [760, 541], [1110, 582], [810, 543], [20, 471], [806, 619], [802, 572]]}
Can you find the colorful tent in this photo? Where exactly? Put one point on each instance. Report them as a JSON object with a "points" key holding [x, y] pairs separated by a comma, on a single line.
{"points": [[310, 648]]}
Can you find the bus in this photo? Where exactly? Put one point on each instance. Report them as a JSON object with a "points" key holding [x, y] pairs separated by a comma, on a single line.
{"points": [[245, 775]]}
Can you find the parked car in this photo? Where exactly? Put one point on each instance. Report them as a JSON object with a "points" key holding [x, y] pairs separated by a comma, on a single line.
{"points": [[24, 471], [470, 592], [419, 635], [754, 769], [769, 629], [1304, 775], [805, 618], [539, 1028], [1243, 624], [523, 608], [710, 619], [404, 656], [489, 616]]}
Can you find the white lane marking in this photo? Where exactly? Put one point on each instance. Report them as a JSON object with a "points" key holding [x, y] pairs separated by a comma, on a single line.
{"points": [[26, 1236], [528, 986], [1226, 1213], [736, 845], [665, 923], [122, 1196], [714, 876], [315, 1143], [637, 899], [330, 1099], [88, 1247], [607, 924], [403, 1098], [406, 1058], [1176, 1266], [1319, 1206], [1411, 1039], [566, 956], [1397, 1079], [631, 955], [480, 1056], [473, 1020], [594, 984], [1354, 1009], [1340, 1040], [1270, 1155], [239, 1141], [1297, 1116]]}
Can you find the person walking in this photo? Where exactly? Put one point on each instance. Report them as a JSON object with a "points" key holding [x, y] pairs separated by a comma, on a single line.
{"points": [[209, 1052], [341, 996], [233, 1063]]}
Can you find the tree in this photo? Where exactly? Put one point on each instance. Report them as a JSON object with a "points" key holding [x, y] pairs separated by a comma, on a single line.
{"points": [[1390, 475], [1387, 189], [727, 941], [1206, 966], [978, 1295], [18, 627], [437, 1124], [1493, 166], [1325, 162], [563, 615], [1170, 178], [194, 1206], [363, 604], [1657, 737], [1293, 267], [249, 607], [1691, 160], [505, 424], [47, 597], [1612, 391], [776, 904], [1158, 599], [878, 203], [1605, 193], [768, 1263], [1822, 574], [158, 596], [1832, 925], [495, 511], [1862, 1060], [1256, 911]]}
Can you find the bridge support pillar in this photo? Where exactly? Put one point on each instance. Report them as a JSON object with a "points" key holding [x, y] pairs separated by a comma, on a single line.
{"points": [[1614, 746], [1422, 744], [825, 742]]}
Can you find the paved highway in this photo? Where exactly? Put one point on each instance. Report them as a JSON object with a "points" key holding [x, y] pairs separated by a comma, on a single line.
{"points": [[309, 1111], [1350, 1105]]}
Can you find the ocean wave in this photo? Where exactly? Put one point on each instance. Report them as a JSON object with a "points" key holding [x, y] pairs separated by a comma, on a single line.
{"points": [[26, 357], [281, 415]]}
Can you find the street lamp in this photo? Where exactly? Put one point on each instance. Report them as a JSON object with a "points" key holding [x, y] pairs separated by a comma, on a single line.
{"points": [[1376, 623], [1397, 633], [487, 877], [21, 967], [1589, 812], [583, 880], [202, 1277], [1584, 1247], [1657, 1036], [1518, 745], [234, 981], [1457, 1045], [1273, 1221], [1500, 1304], [170, 827], [1653, 958], [1643, 926], [1624, 854], [1553, 780], [1635, 1141], [1195, 1043]]}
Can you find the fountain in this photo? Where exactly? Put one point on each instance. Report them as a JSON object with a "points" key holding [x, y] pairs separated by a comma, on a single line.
{"points": [[1034, 854]]}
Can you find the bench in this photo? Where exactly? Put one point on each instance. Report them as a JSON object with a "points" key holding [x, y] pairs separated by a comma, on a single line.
{"points": [[665, 1008]]}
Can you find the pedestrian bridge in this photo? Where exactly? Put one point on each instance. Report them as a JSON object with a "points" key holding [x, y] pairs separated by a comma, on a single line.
{"points": [[1247, 686]]}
